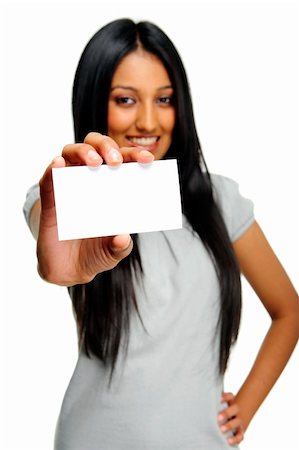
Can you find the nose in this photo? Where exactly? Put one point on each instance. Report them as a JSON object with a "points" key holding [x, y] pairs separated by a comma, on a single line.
{"points": [[146, 119]]}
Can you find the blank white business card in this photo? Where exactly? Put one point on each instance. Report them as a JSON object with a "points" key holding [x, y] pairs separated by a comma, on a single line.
{"points": [[106, 201]]}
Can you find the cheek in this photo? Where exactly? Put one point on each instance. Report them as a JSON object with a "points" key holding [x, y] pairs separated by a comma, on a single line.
{"points": [[118, 120], [168, 122]]}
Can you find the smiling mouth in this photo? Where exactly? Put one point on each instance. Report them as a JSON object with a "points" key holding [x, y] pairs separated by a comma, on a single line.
{"points": [[145, 141]]}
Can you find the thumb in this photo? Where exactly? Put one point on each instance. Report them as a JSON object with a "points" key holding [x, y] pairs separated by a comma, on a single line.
{"points": [[121, 245], [112, 251]]}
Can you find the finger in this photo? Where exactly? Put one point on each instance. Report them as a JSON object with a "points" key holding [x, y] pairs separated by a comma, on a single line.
{"points": [[138, 154], [237, 437], [231, 425], [228, 413], [81, 154], [227, 397], [106, 147]]}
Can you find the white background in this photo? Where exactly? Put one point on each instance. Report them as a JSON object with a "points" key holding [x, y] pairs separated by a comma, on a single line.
{"points": [[242, 61]]}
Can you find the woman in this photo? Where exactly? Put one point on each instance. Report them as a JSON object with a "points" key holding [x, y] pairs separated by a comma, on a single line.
{"points": [[157, 313]]}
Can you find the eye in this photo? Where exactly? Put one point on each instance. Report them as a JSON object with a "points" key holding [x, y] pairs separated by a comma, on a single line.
{"points": [[124, 100], [165, 100]]}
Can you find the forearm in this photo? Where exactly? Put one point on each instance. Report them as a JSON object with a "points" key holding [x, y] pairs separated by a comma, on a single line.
{"points": [[269, 364]]}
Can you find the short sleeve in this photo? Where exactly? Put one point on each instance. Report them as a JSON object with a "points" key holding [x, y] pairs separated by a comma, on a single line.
{"points": [[32, 196], [237, 211]]}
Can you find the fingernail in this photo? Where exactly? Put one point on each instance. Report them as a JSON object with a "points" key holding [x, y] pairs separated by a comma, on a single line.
{"points": [[122, 249], [146, 154], [220, 417], [223, 428], [92, 154], [114, 155]]}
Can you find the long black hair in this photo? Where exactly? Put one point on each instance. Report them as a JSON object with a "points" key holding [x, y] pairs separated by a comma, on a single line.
{"points": [[103, 306]]}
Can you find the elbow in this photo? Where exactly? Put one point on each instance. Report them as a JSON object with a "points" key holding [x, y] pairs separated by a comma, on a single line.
{"points": [[289, 319]]}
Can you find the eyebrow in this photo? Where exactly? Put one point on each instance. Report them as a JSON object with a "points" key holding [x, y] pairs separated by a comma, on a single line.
{"points": [[131, 88]]}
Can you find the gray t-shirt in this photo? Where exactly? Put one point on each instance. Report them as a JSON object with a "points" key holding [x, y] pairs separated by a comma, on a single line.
{"points": [[165, 395]]}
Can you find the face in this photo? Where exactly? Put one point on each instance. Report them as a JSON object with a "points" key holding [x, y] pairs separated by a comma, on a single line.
{"points": [[140, 110]]}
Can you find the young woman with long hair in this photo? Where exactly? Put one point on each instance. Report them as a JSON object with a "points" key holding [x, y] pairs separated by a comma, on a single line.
{"points": [[157, 313]]}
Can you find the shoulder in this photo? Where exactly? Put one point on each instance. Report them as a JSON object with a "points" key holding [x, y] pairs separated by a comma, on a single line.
{"points": [[237, 210], [222, 183], [32, 196]]}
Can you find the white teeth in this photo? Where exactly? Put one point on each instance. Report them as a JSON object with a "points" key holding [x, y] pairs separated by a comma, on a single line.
{"points": [[143, 140]]}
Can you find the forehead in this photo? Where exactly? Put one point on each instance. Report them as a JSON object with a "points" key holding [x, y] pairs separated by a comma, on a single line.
{"points": [[141, 67]]}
